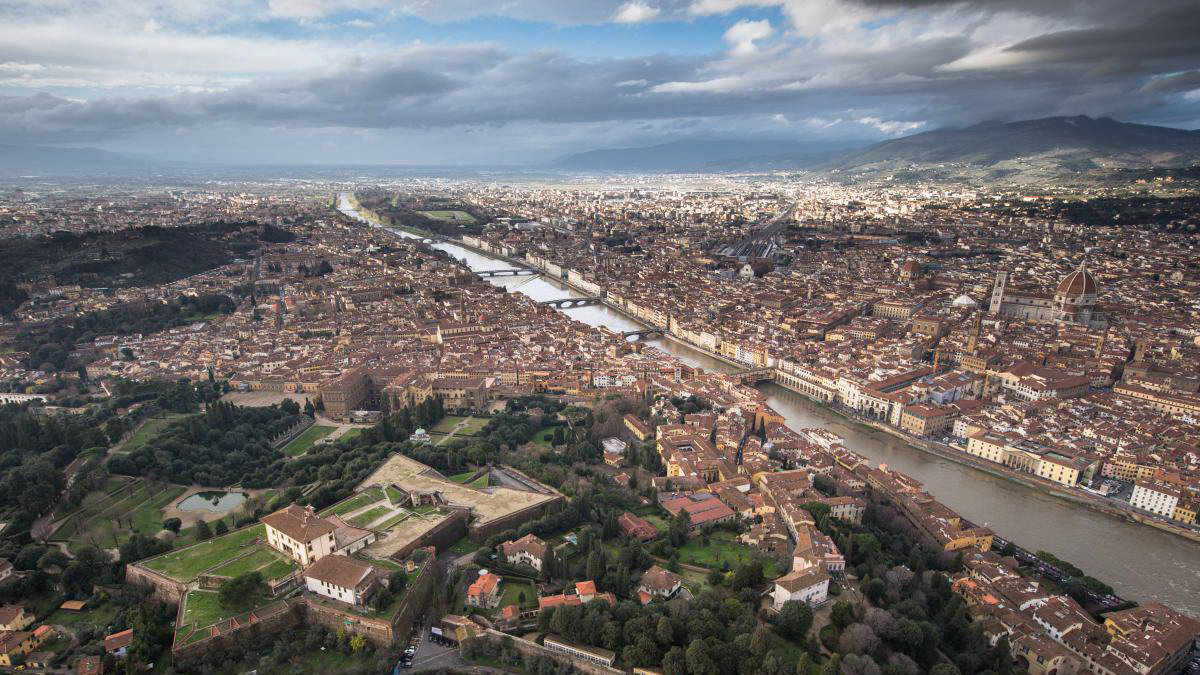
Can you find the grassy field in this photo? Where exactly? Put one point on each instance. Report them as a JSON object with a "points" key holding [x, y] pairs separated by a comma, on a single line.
{"points": [[658, 522], [350, 433], [446, 424], [259, 559], [464, 546], [144, 508], [461, 477], [101, 616], [722, 550], [186, 564], [356, 502], [146, 432], [449, 216], [513, 588], [393, 495], [202, 609], [398, 518], [304, 442], [371, 515], [545, 438]]}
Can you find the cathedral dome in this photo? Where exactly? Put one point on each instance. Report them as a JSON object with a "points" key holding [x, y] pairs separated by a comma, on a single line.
{"points": [[1079, 282]]}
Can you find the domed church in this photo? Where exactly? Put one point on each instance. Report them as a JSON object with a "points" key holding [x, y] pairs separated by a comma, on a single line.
{"points": [[1074, 301]]}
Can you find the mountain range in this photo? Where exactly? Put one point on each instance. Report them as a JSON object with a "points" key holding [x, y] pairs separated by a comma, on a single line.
{"points": [[1052, 147]]}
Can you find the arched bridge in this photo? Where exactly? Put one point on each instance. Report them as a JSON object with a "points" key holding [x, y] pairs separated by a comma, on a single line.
{"points": [[516, 272], [645, 333], [752, 375], [566, 303]]}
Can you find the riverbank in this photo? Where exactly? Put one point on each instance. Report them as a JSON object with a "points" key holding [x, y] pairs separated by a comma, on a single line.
{"points": [[1028, 481], [1146, 563]]}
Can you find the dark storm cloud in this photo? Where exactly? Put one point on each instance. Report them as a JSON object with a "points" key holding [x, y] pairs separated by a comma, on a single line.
{"points": [[1164, 37], [1131, 68]]}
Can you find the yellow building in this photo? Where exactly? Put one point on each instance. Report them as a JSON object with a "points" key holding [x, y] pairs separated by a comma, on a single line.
{"points": [[1185, 512]]}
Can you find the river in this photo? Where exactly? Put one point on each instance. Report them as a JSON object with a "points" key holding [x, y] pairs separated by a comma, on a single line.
{"points": [[1140, 562]]}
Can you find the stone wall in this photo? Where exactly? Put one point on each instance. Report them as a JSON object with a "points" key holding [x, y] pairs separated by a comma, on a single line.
{"points": [[165, 589], [529, 648], [481, 531], [333, 617], [266, 625], [441, 536]]}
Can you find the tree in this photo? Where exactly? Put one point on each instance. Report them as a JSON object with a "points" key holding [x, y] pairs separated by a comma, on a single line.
{"points": [[747, 575], [221, 528], [804, 664], [794, 620], [858, 664], [699, 661], [665, 632], [944, 669], [203, 531], [240, 591], [760, 642], [833, 666], [677, 532], [172, 524], [674, 662], [858, 638], [382, 600], [397, 581], [357, 642], [842, 613]]}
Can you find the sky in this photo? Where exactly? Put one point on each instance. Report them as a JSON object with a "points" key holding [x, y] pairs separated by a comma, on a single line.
{"points": [[520, 82]]}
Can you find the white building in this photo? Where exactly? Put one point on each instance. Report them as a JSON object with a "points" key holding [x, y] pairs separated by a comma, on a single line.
{"points": [[300, 534], [342, 578], [809, 585], [1155, 498]]}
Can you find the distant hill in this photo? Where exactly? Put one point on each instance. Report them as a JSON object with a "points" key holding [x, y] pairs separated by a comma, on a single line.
{"points": [[1065, 144], [1050, 148], [693, 155], [28, 160]]}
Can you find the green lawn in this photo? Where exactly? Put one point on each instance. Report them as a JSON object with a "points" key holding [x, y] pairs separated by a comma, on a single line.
{"points": [[101, 616], [258, 559], [446, 424], [356, 502], [511, 593], [461, 477], [393, 495], [544, 438], [450, 216], [186, 564], [464, 546], [367, 517], [658, 522], [722, 549], [144, 508], [304, 442], [387, 524], [146, 432], [481, 482], [202, 609], [278, 569], [350, 433]]}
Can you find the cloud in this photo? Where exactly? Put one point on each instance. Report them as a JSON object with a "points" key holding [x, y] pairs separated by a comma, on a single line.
{"points": [[742, 35], [635, 12], [832, 68], [890, 127]]}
